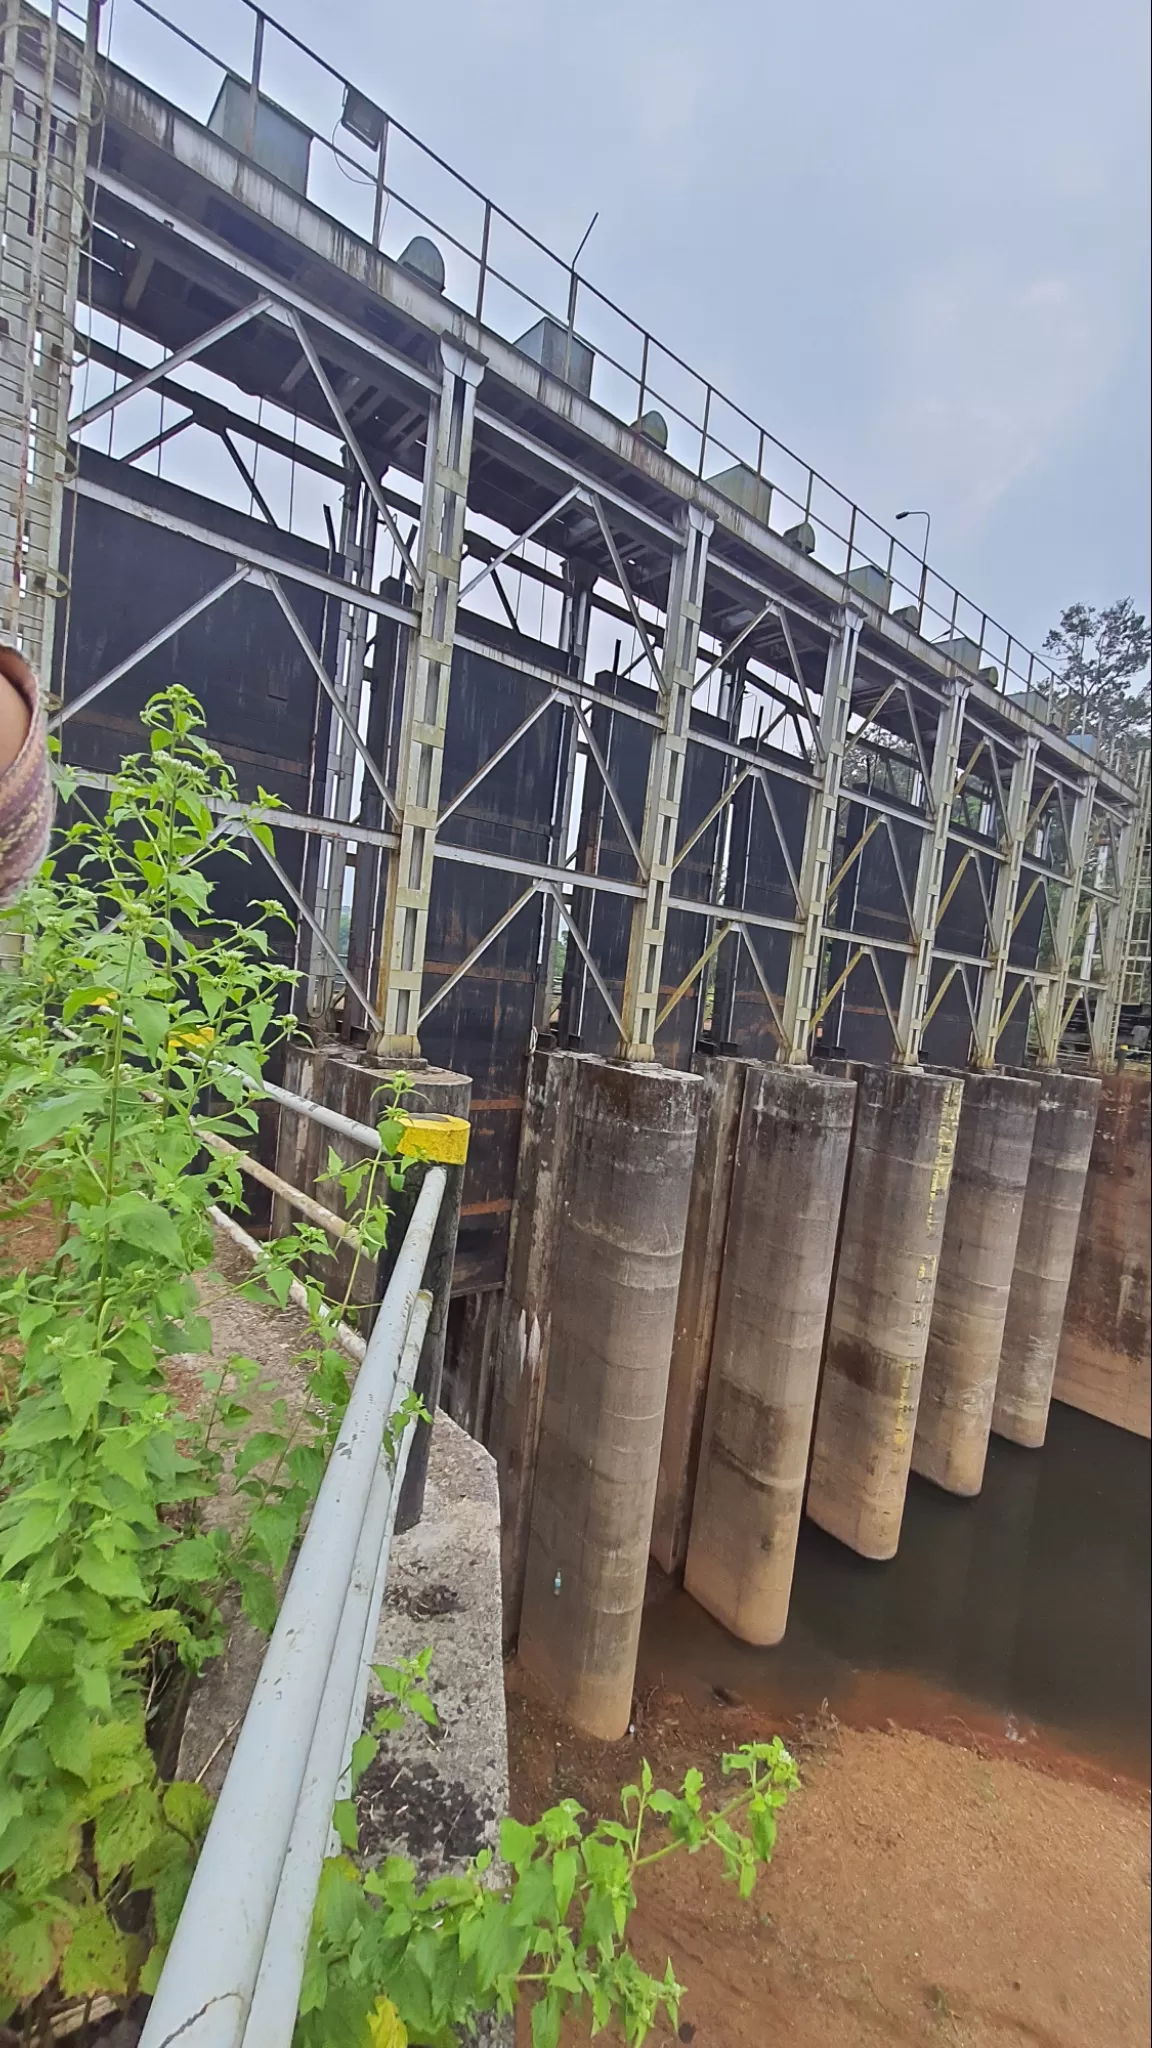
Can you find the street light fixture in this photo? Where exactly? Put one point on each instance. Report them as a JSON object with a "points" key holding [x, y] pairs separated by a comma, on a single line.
{"points": [[927, 518]]}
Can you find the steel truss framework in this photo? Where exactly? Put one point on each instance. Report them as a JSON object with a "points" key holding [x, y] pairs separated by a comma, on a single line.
{"points": [[894, 745]]}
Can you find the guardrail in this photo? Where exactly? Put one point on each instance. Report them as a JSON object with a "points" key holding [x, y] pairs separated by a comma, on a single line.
{"points": [[232, 1976]]}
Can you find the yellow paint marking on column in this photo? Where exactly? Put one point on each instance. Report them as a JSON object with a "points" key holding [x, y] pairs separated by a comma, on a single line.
{"points": [[907, 1369], [441, 1139]]}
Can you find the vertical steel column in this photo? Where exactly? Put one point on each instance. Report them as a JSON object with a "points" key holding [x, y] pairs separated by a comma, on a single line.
{"points": [[988, 1013], [658, 837], [357, 553], [802, 987], [46, 89], [575, 621], [1117, 918], [930, 875], [1050, 1013], [429, 671]]}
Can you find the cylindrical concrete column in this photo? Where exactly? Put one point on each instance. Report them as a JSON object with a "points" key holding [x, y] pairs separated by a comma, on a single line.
{"points": [[1061, 1148], [791, 1158], [526, 1311], [894, 1212], [974, 1278], [721, 1097], [616, 1275], [1105, 1360]]}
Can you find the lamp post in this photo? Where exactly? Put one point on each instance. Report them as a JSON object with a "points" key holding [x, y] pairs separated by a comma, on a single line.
{"points": [[927, 518]]}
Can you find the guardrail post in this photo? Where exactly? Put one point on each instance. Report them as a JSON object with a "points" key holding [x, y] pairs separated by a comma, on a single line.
{"points": [[803, 984], [425, 714]]}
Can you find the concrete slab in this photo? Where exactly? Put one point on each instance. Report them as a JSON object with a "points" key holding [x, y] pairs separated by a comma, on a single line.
{"points": [[438, 1795]]}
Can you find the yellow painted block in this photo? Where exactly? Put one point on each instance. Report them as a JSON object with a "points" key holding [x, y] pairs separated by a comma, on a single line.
{"points": [[443, 1139]]}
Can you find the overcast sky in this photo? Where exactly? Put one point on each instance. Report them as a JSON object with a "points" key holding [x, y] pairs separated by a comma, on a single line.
{"points": [[910, 237]]}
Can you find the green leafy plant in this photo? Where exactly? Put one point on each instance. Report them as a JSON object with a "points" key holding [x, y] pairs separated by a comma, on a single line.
{"points": [[393, 1963], [133, 1036], [134, 1033]]}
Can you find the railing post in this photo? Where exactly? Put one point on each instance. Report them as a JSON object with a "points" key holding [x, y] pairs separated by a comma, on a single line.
{"points": [[990, 1007], [930, 875], [427, 680], [802, 987], [665, 787]]}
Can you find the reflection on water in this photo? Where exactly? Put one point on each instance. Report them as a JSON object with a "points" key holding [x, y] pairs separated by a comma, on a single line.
{"points": [[1030, 1604]]}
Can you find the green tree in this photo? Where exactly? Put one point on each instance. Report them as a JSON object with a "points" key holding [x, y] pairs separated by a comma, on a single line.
{"points": [[1100, 657]]}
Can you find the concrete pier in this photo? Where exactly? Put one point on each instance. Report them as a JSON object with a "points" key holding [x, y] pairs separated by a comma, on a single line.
{"points": [[974, 1279], [526, 1319], [1104, 1364], [721, 1100], [791, 1158], [894, 1211], [1065, 1122], [615, 1280]]}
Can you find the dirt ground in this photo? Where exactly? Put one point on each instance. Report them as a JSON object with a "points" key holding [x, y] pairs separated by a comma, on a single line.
{"points": [[922, 1891]]}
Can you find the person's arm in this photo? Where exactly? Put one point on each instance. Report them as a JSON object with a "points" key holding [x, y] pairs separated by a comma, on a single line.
{"points": [[25, 783]]}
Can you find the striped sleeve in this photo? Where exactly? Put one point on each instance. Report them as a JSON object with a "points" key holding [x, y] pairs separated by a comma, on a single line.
{"points": [[26, 798]]}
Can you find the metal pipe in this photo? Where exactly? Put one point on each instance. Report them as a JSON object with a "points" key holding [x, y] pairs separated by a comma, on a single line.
{"points": [[206, 1986], [347, 1339], [277, 1994], [295, 1197]]}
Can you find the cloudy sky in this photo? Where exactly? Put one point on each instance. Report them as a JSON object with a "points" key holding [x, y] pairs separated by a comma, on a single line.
{"points": [[910, 237]]}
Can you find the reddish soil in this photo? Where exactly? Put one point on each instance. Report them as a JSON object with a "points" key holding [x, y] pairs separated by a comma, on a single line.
{"points": [[923, 1891]]}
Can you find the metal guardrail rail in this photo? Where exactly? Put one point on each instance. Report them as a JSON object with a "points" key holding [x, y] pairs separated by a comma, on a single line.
{"points": [[232, 1976]]}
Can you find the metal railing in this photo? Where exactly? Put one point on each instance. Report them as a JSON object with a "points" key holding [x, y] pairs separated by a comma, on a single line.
{"points": [[233, 1973], [386, 185]]}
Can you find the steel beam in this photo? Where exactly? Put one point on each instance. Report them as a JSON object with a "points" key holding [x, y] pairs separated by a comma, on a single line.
{"points": [[666, 766], [940, 790], [801, 991], [1050, 1011], [440, 546], [1019, 820], [1118, 918]]}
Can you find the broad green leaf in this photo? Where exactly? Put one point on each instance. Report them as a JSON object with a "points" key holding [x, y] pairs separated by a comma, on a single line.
{"points": [[97, 1955], [517, 1843], [68, 1735], [565, 1869], [187, 1808], [32, 1948], [547, 2014], [49, 1119], [258, 1598], [151, 1020], [147, 1225], [36, 1529], [192, 1560], [262, 1444], [344, 1822], [124, 1830], [20, 1622], [116, 1577], [273, 1528], [386, 2029], [29, 1706], [84, 1381]]}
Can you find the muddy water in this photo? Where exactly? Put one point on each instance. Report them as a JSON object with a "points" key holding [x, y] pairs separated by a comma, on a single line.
{"points": [[1023, 1614]]}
